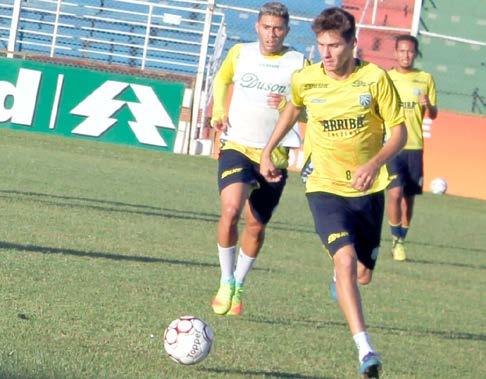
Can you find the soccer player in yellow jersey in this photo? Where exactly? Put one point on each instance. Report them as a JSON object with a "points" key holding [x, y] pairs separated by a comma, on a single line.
{"points": [[418, 96], [348, 102], [260, 73]]}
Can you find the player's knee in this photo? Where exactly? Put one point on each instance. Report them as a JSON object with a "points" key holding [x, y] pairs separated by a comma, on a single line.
{"points": [[230, 214], [394, 194], [344, 263], [255, 229]]}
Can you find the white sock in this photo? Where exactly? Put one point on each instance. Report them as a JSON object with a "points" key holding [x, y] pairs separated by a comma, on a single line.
{"points": [[226, 262], [243, 267], [362, 341]]}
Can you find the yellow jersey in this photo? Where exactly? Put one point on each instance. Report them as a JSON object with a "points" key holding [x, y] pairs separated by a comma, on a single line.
{"points": [[410, 86], [345, 126]]}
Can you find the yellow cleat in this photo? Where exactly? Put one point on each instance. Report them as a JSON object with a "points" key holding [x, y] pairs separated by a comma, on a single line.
{"points": [[398, 250], [222, 301], [236, 302]]}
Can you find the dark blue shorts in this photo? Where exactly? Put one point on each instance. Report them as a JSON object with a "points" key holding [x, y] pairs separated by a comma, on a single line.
{"points": [[341, 221], [235, 167], [408, 167]]}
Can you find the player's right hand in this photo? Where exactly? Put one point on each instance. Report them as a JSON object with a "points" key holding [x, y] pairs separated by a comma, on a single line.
{"points": [[269, 171], [220, 125], [276, 101]]}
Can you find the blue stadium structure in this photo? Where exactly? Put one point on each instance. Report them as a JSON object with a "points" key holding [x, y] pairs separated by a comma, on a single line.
{"points": [[115, 32]]}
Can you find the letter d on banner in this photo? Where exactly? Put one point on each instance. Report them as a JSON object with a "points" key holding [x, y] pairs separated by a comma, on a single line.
{"points": [[24, 95]]}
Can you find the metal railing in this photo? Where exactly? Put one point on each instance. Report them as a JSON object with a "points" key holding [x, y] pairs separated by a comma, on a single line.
{"points": [[165, 36]]}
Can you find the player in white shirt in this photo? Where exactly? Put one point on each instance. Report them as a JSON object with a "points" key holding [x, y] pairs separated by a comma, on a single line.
{"points": [[260, 73]]}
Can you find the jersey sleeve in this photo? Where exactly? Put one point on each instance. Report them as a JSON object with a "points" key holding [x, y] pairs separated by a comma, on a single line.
{"points": [[432, 91], [388, 102], [288, 98], [223, 79], [295, 91]]}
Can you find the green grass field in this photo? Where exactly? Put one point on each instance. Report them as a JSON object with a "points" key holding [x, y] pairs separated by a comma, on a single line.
{"points": [[102, 246]]}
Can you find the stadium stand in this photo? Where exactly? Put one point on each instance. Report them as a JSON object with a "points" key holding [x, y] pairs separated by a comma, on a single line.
{"points": [[377, 45], [113, 31], [240, 21], [5, 22], [458, 67]]}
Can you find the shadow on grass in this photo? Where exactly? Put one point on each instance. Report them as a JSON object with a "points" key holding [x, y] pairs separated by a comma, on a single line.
{"points": [[140, 209], [94, 254], [116, 257], [453, 264], [319, 324], [266, 374], [111, 206], [436, 245], [153, 211]]}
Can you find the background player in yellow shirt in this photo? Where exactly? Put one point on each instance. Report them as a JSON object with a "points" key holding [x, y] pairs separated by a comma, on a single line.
{"points": [[260, 73], [418, 98], [348, 102]]}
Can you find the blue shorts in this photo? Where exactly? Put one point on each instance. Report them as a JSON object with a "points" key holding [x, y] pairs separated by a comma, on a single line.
{"points": [[408, 168], [235, 167], [341, 221]]}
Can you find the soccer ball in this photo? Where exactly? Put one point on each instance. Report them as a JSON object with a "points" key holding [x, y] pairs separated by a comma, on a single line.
{"points": [[188, 340], [438, 186]]}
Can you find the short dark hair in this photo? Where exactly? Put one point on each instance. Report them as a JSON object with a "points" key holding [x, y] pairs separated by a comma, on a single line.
{"points": [[274, 8], [409, 38], [335, 19]]}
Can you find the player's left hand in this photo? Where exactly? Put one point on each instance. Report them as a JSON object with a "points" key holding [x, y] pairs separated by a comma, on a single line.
{"points": [[424, 101], [269, 171], [365, 176]]}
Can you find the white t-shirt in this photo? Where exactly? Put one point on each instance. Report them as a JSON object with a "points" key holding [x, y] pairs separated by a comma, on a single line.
{"points": [[251, 120]]}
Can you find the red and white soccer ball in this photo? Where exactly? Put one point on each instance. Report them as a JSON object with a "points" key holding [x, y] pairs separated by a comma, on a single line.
{"points": [[188, 340], [438, 186]]}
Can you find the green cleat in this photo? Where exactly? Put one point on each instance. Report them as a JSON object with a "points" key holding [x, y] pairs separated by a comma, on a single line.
{"points": [[236, 302], [222, 301], [332, 290], [398, 250]]}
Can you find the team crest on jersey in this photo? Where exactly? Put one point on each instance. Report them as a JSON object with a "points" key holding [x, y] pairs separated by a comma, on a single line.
{"points": [[365, 100], [416, 91]]}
